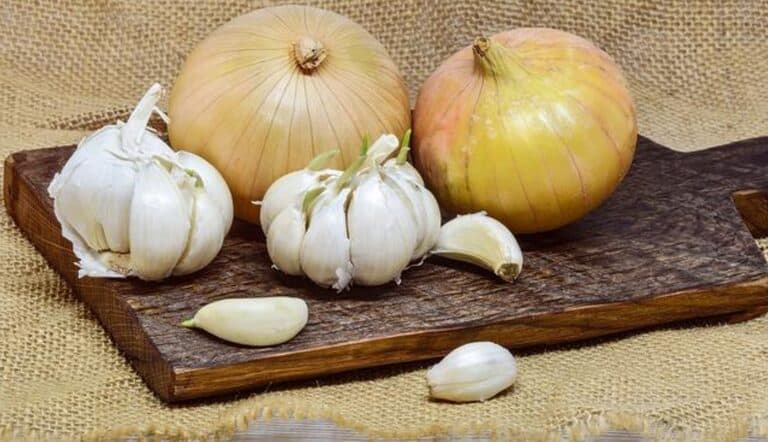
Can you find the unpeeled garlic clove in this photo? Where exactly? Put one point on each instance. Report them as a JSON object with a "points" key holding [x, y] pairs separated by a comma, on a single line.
{"points": [[213, 183], [325, 250], [381, 234], [473, 372], [481, 240], [289, 189], [159, 222], [206, 235], [256, 322], [285, 240], [423, 209]]}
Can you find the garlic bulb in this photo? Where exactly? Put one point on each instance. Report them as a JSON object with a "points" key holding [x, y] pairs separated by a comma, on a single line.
{"points": [[363, 226], [481, 240], [473, 372], [252, 321], [132, 206]]}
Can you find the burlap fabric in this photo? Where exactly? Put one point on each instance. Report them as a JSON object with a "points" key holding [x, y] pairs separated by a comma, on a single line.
{"points": [[698, 70]]}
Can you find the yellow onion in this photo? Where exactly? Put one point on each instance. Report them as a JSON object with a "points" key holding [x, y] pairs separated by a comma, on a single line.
{"points": [[270, 90], [534, 126]]}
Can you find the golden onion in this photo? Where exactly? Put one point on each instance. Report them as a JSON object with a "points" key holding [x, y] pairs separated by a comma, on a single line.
{"points": [[534, 126], [268, 91]]}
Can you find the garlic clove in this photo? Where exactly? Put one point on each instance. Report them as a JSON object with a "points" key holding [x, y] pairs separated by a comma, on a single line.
{"points": [[93, 182], [289, 190], [473, 372], [252, 321], [284, 240], [213, 183], [423, 208], [432, 224], [113, 206], [481, 240], [206, 235], [382, 236], [325, 255], [159, 223]]}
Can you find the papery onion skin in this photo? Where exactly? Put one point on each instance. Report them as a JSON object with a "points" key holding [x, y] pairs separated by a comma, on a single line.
{"points": [[535, 126], [245, 103]]}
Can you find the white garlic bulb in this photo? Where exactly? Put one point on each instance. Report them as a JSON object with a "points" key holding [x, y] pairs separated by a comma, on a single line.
{"points": [[131, 206], [473, 372], [363, 226]]}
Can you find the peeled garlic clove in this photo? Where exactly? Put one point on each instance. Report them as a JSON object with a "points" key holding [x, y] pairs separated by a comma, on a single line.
{"points": [[159, 223], [206, 235], [382, 236], [213, 183], [473, 372], [325, 257], [284, 240], [481, 240], [252, 321]]}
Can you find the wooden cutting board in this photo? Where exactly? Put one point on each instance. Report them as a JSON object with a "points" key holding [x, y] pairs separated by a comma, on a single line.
{"points": [[669, 245]]}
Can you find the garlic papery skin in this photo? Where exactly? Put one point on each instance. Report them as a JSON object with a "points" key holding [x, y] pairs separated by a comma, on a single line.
{"points": [[473, 372], [131, 206], [481, 240], [256, 322]]}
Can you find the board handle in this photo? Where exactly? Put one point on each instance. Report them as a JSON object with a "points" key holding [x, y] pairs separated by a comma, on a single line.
{"points": [[753, 207]]}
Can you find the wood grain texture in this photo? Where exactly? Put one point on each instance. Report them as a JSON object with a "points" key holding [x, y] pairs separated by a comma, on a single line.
{"points": [[669, 245]]}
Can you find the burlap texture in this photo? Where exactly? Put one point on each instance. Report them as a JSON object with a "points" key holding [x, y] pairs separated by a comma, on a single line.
{"points": [[698, 71]]}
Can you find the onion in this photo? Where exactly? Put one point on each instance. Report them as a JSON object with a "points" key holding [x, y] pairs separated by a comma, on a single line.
{"points": [[534, 126], [270, 90]]}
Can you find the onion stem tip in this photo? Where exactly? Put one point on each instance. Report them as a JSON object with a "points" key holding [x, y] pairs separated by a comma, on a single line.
{"points": [[189, 323]]}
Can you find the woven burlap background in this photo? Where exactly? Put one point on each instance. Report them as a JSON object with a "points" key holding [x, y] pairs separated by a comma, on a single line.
{"points": [[698, 70]]}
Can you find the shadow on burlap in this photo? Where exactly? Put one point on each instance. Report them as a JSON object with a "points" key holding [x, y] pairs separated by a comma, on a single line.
{"points": [[698, 71]]}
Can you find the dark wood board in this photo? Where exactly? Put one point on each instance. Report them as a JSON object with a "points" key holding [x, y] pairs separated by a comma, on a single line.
{"points": [[670, 245]]}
